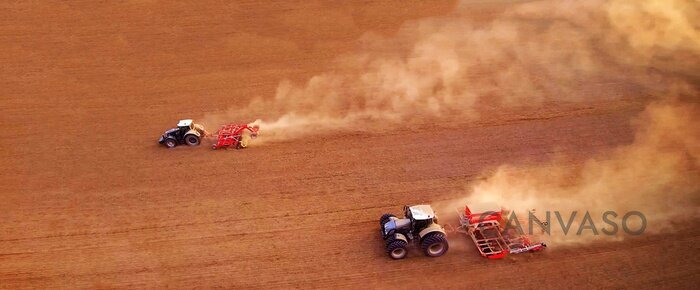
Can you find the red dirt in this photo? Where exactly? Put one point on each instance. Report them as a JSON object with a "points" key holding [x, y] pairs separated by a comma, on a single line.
{"points": [[90, 200]]}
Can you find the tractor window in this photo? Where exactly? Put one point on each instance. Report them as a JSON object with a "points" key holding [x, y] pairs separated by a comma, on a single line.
{"points": [[419, 225]]}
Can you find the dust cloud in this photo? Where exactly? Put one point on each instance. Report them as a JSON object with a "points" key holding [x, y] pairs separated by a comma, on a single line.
{"points": [[657, 175], [525, 54]]}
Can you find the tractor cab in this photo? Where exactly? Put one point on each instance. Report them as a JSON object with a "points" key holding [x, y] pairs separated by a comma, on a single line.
{"points": [[421, 216], [184, 126]]}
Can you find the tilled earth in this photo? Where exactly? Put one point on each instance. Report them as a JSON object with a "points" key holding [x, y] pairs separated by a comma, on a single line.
{"points": [[90, 200]]}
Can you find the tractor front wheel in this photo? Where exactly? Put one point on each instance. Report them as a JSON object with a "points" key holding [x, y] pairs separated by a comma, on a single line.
{"points": [[434, 244], [397, 249], [192, 140], [170, 143]]}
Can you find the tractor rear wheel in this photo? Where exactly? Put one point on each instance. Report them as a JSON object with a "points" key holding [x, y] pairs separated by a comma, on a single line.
{"points": [[192, 140], [170, 143], [397, 249], [434, 244], [385, 219]]}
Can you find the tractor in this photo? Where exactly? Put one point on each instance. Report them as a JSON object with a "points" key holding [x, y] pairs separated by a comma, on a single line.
{"points": [[419, 225], [186, 132]]}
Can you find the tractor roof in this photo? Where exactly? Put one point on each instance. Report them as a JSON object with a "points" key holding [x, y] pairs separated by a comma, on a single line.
{"points": [[185, 122], [422, 212]]}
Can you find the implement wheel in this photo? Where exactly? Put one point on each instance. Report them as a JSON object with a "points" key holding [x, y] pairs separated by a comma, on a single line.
{"points": [[245, 140]]}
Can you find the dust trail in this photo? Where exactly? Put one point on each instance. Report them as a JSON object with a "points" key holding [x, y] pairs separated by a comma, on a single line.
{"points": [[457, 68], [524, 55], [658, 175], [543, 51]]}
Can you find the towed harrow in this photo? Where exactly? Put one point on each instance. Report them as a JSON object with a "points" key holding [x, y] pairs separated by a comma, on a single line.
{"points": [[235, 135], [490, 238]]}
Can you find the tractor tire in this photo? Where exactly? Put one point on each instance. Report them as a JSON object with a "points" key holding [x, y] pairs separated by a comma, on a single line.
{"points": [[385, 219], [170, 143], [434, 244], [397, 249], [389, 239], [245, 140], [192, 140]]}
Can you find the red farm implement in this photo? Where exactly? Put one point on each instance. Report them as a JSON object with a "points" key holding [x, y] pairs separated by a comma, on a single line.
{"points": [[491, 240], [234, 135]]}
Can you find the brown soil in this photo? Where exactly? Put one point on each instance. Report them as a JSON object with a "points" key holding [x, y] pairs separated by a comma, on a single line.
{"points": [[90, 200]]}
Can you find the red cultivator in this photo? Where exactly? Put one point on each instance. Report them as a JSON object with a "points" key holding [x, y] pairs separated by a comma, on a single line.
{"points": [[235, 135], [490, 239]]}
